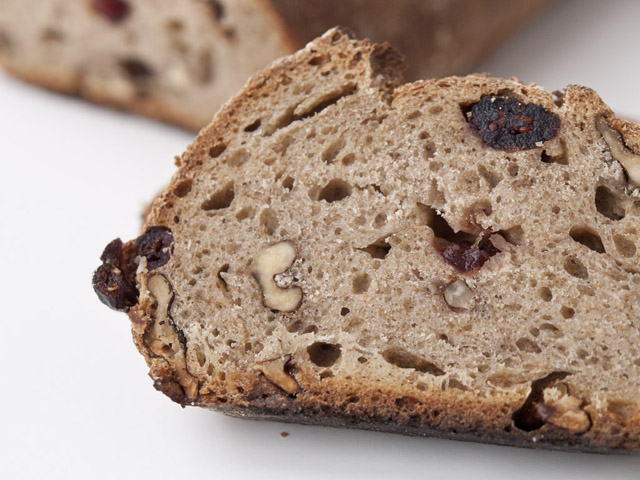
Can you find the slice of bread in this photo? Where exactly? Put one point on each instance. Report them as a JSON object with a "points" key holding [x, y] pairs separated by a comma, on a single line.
{"points": [[454, 257], [179, 60]]}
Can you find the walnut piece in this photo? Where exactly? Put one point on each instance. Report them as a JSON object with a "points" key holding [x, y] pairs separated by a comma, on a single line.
{"points": [[629, 161], [564, 410], [163, 293], [270, 270], [457, 294], [276, 373], [162, 338]]}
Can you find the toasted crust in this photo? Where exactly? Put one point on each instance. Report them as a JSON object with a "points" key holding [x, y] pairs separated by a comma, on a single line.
{"points": [[413, 400]]}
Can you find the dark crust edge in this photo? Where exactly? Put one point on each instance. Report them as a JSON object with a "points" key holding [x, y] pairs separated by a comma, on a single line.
{"points": [[550, 442], [461, 416]]}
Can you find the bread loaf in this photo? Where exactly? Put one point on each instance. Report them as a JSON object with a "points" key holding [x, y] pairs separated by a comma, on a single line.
{"points": [[179, 60], [453, 257]]}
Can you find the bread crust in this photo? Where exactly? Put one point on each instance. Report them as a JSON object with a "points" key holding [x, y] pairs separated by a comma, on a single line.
{"points": [[454, 413]]}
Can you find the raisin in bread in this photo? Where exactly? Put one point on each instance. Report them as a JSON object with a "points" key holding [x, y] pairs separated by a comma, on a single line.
{"points": [[454, 257], [179, 60]]}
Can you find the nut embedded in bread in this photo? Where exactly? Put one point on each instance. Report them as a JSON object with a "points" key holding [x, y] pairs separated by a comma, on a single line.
{"points": [[361, 256]]}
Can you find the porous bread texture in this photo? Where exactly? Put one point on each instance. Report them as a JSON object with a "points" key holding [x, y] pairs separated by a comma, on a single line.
{"points": [[328, 152], [179, 60]]}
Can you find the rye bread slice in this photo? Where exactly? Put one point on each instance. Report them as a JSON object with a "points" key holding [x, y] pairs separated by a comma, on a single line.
{"points": [[453, 257]]}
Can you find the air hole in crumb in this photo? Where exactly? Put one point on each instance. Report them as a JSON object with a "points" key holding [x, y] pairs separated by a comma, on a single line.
{"points": [[588, 238], [136, 69], [269, 221], [238, 158], [221, 270], [310, 329], [380, 220], [52, 35], [324, 354], [457, 384], [527, 345], [406, 402], [402, 358], [435, 165], [246, 212], [567, 312], [576, 268], [335, 191], [183, 188], [625, 247], [217, 150], [545, 294], [360, 283], [200, 358], [294, 326], [549, 327], [288, 182], [362, 360], [330, 154], [429, 149], [344, 311], [326, 374], [441, 228], [319, 60], [221, 199], [513, 235], [348, 159], [174, 26], [378, 249], [492, 178], [608, 204], [252, 127], [558, 159]]}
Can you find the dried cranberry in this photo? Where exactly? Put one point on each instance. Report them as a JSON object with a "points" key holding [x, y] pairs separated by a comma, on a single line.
{"points": [[114, 10], [155, 245], [505, 123], [466, 256], [113, 288], [114, 281]]}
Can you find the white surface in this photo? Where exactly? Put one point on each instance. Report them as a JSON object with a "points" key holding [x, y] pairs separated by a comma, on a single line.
{"points": [[75, 399]]}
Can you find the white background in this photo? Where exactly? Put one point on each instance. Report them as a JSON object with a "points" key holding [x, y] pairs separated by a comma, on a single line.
{"points": [[75, 399]]}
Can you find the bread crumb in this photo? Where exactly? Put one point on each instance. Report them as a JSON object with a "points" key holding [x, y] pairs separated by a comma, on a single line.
{"points": [[284, 434]]}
